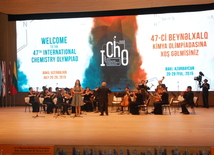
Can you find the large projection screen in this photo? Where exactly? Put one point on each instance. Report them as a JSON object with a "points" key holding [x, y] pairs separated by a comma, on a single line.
{"points": [[120, 50]]}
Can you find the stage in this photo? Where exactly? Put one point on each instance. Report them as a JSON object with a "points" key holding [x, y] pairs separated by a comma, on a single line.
{"points": [[19, 127]]}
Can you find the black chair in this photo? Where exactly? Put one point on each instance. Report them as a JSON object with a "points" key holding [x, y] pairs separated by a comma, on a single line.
{"points": [[144, 107], [58, 109], [165, 106]]}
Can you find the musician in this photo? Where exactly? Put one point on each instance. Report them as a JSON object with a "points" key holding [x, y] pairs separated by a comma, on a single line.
{"points": [[138, 100], [32, 95], [205, 93], [188, 99], [144, 89], [88, 100], [57, 91], [50, 89], [126, 99], [95, 100], [143, 85], [160, 84], [163, 99], [48, 100], [63, 97], [102, 93], [68, 95], [69, 100]]}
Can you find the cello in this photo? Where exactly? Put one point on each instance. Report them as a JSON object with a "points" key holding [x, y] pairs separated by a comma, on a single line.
{"points": [[126, 99], [125, 102]]}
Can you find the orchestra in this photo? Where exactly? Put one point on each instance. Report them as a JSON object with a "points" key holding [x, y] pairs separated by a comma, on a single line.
{"points": [[67, 98]]}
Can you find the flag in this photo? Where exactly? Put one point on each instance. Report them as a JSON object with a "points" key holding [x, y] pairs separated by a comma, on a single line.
{"points": [[14, 87], [0, 79], [9, 81], [3, 78]]}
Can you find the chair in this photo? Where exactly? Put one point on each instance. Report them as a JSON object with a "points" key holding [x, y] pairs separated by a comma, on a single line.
{"points": [[165, 106], [41, 104], [144, 107], [116, 102], [195, 100], [27, 103], [55, 100], [58, 108], [176, 102]]}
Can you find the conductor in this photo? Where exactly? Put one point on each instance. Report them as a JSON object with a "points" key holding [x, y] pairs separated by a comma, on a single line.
{"points": [[103, 92]]}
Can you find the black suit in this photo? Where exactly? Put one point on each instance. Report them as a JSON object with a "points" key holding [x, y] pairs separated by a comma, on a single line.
{"points": [[188, 100], [103, 99], [205, 93], [144, 90]]}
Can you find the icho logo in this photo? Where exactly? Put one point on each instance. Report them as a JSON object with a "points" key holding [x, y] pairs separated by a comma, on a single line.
{"points": [[113, 55]]}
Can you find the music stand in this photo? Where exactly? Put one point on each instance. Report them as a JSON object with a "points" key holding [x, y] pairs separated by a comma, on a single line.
{"points": [[96, 110], [37, 116], [76, 116], [58, 109], [117, 99], [58, 112]]}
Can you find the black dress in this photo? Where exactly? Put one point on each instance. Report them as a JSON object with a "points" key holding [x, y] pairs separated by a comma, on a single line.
{"points": [[134, 109], [158, 105], [88, 102], [49, 102], [35, 105]]}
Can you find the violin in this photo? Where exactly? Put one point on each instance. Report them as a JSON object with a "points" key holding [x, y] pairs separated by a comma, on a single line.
{"points": [[67, 96], [183, 93], [88, 92]]}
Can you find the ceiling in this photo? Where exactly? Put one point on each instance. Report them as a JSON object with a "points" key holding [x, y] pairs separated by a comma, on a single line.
{"points": [[16, 7]]}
